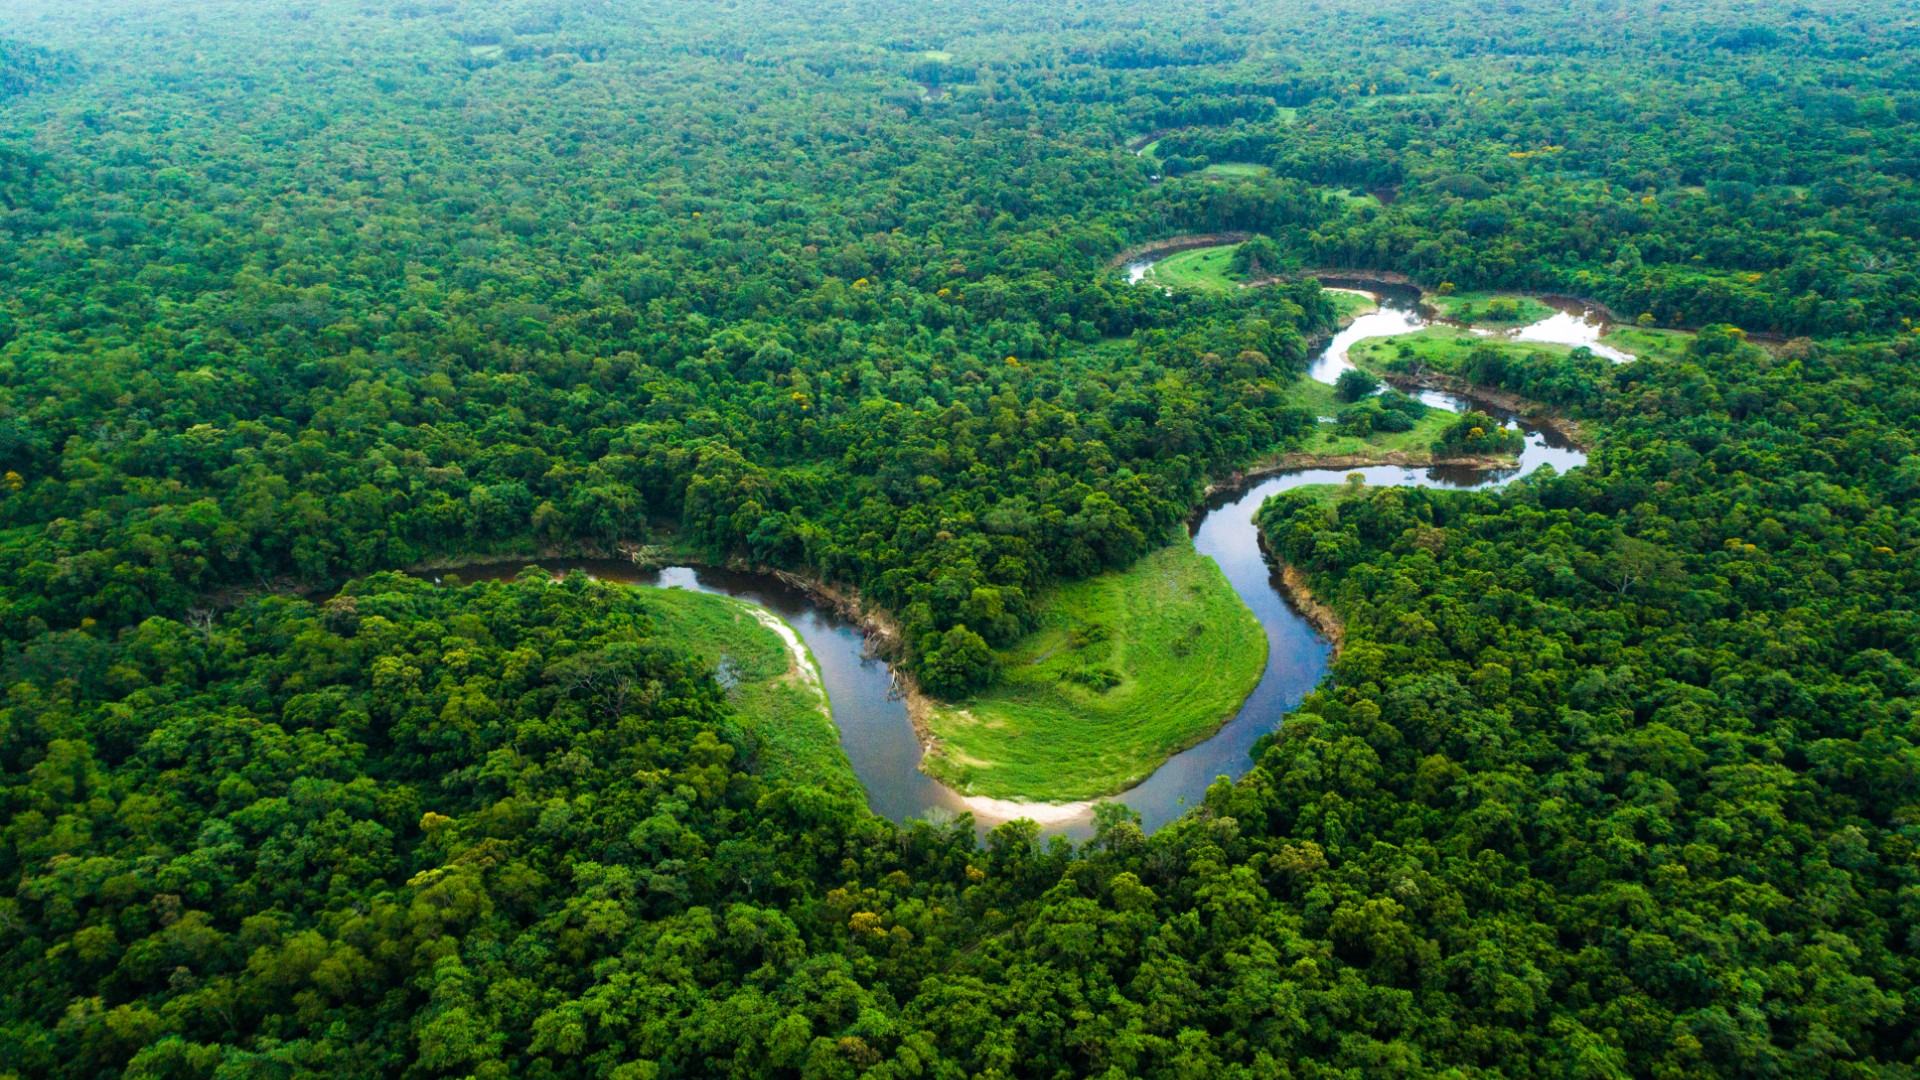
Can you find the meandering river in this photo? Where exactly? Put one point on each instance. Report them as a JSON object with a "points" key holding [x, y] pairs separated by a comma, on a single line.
{"points": [[1572, 324], [879, 738]]}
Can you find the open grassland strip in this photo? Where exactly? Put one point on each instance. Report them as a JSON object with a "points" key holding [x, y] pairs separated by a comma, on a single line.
{"points": [[1125, 670]]}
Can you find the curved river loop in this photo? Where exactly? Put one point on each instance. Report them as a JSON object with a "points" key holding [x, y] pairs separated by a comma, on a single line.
{"points": [[871, 714]]}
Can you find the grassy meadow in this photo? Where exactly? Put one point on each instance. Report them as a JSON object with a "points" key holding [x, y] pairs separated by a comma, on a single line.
{"points": [[1444, 347], [1231, 169], [1354, 199], [1201, 268], [1447, 347], [1349, 303], [1416, 443], [1126, 669], [780, 710], [1490, 309], [1648, 342]]}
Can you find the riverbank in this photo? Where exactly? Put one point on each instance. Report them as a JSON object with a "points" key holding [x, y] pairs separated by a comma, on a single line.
{"points": [[1173, 245], [884, 640], [1293, 581], [1301, 459], [782, 717], [1532, 411]]}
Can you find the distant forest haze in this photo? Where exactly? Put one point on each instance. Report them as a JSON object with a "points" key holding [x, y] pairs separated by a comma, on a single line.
{"points": [[1614, 774]]}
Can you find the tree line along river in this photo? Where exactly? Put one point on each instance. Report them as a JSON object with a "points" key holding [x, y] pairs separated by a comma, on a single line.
{"points": [[874, 726]]}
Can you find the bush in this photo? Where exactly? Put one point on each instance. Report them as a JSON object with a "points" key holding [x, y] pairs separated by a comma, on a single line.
{"points": [[1398, 412], [1098, 679], [1257, 257], [1478, 433], [956, 662], [1354, 384]]}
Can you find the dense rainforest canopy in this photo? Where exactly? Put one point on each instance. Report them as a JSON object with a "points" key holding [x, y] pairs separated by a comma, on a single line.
{"points": [[1616, 774]]}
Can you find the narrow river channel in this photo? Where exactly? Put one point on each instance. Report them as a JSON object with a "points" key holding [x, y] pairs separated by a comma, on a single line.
{"points": [[879, 738]]}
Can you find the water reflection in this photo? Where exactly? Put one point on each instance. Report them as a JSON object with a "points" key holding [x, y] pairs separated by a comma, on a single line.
{"points": [[1574, 325], [1399, 312]]}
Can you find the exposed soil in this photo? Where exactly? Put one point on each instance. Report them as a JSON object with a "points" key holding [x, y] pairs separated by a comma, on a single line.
{"points": [[1294, 582], [1376, 277]]}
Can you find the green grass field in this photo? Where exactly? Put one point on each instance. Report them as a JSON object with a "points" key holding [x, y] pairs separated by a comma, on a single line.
{"points": [[1446, 347], [1328, 441], [1442, 347], [1330, 494], [1232, 169], [1180, 651], [1490, 309], [1650, 343], [779, 710], [1348, 304], [1353, 198], [1201, 268]]}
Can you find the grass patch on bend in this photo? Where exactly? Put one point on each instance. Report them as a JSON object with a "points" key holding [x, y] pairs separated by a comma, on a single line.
{"points": [[1181, 650], [1235, 169], [1330, 494], [777, 709], [1648, 342], [1328, 441], [1201, 268], [1353, 199], [1347, 303], [1475, 308], [1442, 347], [1447, 348]]}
